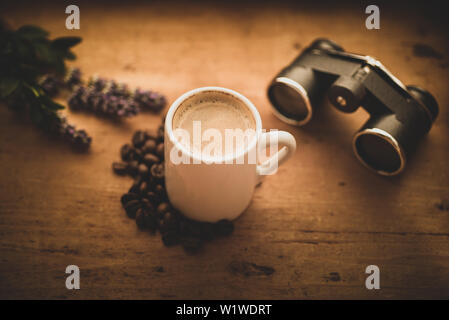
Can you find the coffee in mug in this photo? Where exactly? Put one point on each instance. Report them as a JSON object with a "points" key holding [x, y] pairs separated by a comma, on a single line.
{"points": [[218, 111]]}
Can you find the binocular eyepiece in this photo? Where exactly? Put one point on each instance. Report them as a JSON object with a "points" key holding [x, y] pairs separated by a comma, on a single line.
{"points": [[399, 115]]}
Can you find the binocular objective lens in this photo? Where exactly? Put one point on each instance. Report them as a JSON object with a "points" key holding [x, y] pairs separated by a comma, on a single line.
{"points": [[379, 151], [290, 101]]}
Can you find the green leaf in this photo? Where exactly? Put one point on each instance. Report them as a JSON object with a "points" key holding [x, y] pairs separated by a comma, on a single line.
{"points": [[36, 115], [7, 86], [50, 104], [59, 67], [44, 52], [23, 49], [70, 55], [65, 42], [32, 32]]}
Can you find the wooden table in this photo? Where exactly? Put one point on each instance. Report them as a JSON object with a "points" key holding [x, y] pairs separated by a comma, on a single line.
{"points": [[318, 223]]}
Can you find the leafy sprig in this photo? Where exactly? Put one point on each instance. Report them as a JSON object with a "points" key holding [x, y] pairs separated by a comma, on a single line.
{"points": [[26, 55]]}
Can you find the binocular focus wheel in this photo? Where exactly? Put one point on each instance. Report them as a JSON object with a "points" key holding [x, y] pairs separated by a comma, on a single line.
{"points": [[325, 44], [379, 151]]}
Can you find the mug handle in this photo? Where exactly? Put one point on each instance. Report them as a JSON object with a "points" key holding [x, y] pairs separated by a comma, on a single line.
{"points": [[284, 139]]}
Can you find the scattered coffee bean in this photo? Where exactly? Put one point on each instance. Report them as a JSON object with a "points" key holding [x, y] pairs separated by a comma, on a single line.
{"points": [[127, 152], [207, 231], [192, 228], [170, 239], [131, 208], [138, 155], [160, 133], [150, 159], [151, 134], [152, 197], [133, 168], [145, 203], [163, 208], [224, 228], [139, 138], [149, 146], [135, 187], [192, 245], [157, 171], [140, 218], [143, 170], [151, 222], [128, 197], [120, 168], [143, 188], [160, 192], [160, 150]]}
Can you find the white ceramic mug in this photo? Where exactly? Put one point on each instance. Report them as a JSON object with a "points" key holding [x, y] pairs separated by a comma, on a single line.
{"points": [[215, 191]]}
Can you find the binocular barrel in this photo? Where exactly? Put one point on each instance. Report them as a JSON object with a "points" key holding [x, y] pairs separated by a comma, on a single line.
{"points": [[297, 90], [399, 116]]}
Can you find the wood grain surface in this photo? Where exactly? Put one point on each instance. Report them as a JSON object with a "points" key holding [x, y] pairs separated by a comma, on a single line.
{"points": [[318, 223]]}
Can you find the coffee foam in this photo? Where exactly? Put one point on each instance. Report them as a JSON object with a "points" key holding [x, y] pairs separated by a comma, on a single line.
{"points": [[214, 110]]}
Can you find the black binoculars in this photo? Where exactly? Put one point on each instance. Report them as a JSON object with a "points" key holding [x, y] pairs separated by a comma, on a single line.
{"points": [[399, 115]]}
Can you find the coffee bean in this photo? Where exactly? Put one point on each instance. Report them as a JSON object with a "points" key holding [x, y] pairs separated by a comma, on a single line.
{"points": [[169, 222], [143, 188], [131, 208], [135, 187], [192, 228], [168, 226], [151, 182], [192, 244], [150, 159], [128, 197], [163, 208], [140, 218], [182, 226], [160, 150], [120, 168], [152, 197], [127, 152], [151, 222], [133, 168], [224, 228], [149, 146], [160, 133], [170, 239], [207, 231], [160, 191], [138, 155], [143, 170], [139, 138], [145, 203], [157, 171], [151, 134]]}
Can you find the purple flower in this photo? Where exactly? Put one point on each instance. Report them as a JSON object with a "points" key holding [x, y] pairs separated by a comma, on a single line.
{"points": [[149, 100]]}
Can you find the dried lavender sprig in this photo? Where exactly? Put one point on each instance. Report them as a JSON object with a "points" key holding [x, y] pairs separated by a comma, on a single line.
{"points": [[73, 78], [52, 84], [97, 84], [78, 138], [106, 104], [118, 89], [144, 99], [111, 87], [149, 100]]}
